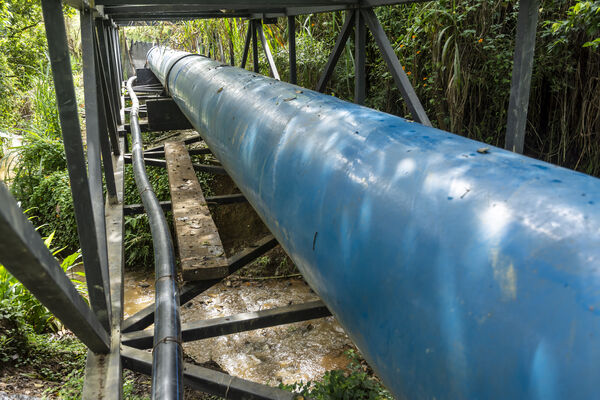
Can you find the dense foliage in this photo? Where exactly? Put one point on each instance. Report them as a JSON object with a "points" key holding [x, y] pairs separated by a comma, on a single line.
{"points": [[22, 50], [458, 56]]}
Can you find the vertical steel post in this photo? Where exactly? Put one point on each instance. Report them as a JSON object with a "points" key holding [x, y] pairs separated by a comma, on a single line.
{"points": [[247, 45], [255, 45], [107, 126], [521, 77], [93, 133], [360, 41], [105, 54], [104, 69], [118, 58], [110, 43], [69, 120], [292, 44], [231, 52], [103, 372]]}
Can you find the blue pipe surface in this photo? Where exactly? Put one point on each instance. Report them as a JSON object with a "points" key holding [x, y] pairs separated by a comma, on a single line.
{"points": [[458, 271]]}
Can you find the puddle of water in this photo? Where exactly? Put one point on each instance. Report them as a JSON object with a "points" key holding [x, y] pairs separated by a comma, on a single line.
{"points": [[138, 286], [139, 291], [290, 353]]}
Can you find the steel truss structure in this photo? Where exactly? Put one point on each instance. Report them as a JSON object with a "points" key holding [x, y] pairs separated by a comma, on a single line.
{"points": [[114, 343]]}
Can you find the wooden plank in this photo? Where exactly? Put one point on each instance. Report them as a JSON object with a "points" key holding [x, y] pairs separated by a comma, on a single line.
{"points": [[200, 248]]}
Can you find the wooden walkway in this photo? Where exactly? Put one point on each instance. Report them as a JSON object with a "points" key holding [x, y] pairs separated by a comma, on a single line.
{"points": [[200, 249]]}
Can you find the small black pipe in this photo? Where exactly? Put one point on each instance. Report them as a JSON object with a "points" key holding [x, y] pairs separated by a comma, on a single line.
{"points": [[167, 363]]}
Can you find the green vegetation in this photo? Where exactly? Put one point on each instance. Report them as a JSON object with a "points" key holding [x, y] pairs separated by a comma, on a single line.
{"points": [[457, 54], [358, 383], [26, 329]]}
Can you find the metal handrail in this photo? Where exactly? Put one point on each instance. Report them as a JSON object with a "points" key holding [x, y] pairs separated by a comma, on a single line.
{"points": [[167, 366]]}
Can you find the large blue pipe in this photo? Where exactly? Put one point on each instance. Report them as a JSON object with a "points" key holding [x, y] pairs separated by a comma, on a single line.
{"points": [[458, 273]]}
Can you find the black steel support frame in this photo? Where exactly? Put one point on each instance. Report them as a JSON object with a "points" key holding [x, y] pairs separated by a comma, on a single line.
{"points": [[96, 269], [99, 325], [134, 209], [247, 44], [253, 29], [156, 162], [242, 322], [362, 18], [292, 44]]}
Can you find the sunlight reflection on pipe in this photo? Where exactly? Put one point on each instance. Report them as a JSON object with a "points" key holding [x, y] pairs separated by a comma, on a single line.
{"points": [[495, 219]]}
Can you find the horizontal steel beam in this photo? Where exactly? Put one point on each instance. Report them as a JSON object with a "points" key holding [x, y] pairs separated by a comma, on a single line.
{"points": [[144, 318], [112, 6], [161, 147], [157, 162], [161, 153], [243, 322], [208, 380], [159, 10], [134, 209], [24, 255], [235, 4]]}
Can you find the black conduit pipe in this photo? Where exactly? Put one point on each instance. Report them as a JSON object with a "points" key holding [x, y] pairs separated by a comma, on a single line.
{"points": [[167, 370]]}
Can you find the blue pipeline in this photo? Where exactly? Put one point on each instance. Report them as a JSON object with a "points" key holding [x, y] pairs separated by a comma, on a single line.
{"points": [[458, 273]]}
